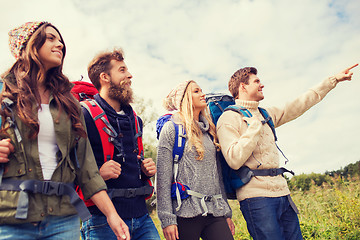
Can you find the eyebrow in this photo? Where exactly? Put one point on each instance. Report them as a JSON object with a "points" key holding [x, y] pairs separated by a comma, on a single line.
{"points": [[53, 35]]}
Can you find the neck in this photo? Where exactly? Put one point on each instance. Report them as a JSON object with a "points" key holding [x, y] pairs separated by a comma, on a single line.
{"points": [[246, 98], [44, 94], [113, 103], [196, 115]]}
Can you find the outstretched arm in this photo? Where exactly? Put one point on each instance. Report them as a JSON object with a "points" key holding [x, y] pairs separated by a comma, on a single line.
{"points": [[304, 102]]}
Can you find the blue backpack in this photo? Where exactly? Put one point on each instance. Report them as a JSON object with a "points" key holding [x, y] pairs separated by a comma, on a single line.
{"points": [[181, 191], [234, 179]]}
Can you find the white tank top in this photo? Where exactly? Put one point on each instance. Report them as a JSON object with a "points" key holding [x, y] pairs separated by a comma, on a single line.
{"points": [[47, 142]]}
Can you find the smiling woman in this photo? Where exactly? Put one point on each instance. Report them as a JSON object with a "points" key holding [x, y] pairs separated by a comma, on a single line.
{"points": [[44, 145], [203, 210], [50, 53]]}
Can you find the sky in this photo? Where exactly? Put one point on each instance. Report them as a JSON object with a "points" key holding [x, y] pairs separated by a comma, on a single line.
{"points": [[293, 44]]}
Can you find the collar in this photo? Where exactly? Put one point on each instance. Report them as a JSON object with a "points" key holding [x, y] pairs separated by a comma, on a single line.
{"points": [[247, 104], [110, 110], [203, 124]]}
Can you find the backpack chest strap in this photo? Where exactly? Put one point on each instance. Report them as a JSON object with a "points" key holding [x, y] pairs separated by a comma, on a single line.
{"points": [[130, 192], [203, 199], [46, 188], [271, 172]]}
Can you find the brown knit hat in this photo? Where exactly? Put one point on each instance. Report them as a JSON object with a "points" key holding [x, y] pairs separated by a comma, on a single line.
{"points": [[18, 37], [173, 100]]}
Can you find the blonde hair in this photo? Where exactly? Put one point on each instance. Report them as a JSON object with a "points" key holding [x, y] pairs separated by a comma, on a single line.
{"points": [[193, 131]]}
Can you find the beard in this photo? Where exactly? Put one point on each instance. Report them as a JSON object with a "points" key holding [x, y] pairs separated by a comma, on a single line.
{"points": [[121, 93]]}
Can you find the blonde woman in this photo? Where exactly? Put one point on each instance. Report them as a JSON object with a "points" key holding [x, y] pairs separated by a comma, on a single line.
{"points": [[204, 212]]}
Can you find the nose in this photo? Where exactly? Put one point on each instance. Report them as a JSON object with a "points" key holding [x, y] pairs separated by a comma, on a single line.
{"points": [[129, 75], [59, 44]]}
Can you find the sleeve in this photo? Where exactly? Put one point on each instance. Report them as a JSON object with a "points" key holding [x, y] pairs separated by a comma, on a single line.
{"points": [[88, 175], [228, 213], [165, 175], [301, 104], [94, 138], [237, 140]]}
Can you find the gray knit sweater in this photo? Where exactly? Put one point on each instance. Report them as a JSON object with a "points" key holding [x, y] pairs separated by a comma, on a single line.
{"points": [[202, 176]]}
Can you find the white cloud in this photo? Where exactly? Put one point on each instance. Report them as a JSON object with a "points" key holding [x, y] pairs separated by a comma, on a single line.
{"points": [[294, 45]]}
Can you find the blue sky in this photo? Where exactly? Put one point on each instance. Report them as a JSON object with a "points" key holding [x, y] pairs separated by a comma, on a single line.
{"points": [[294, 45]]}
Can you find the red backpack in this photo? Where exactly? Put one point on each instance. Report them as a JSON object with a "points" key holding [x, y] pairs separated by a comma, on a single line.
{"points": [[84, 92]]}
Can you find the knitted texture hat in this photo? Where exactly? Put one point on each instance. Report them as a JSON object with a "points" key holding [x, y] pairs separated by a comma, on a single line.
{"points": [[18, 37], [173, 100]]}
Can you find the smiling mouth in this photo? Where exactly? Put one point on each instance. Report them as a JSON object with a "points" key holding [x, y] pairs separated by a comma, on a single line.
{"points": [[58, 53]]}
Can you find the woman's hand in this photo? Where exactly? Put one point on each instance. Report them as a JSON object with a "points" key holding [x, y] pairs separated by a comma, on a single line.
{"points": [[231, 225], [5, 149], [171, 232]]}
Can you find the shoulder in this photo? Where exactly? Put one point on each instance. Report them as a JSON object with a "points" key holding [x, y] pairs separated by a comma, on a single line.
{"points": [[167, 133], [168, 128], [229, 117]]}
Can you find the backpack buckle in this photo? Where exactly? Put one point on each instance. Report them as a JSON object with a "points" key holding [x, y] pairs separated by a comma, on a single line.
{"points": [[52, 188], [130, 193], [273, 172], [208, 198]]}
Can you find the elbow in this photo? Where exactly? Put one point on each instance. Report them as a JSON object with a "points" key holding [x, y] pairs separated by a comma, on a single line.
{"points": [[233, 163]]}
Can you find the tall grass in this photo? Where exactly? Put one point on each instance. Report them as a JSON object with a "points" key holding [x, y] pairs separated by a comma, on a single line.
{"points": [[330, 211]]}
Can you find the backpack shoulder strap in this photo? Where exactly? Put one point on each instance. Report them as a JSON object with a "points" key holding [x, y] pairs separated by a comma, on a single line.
{"points": [[239, 109], [179, 144], [178, 150], [268, 120], [101, 121], [138, 137]]}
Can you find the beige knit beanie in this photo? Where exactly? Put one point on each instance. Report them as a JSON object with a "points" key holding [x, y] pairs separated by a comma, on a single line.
{"points": [[18, 37], [173, 100]]}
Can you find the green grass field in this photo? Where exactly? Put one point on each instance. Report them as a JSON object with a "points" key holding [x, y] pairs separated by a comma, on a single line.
{"points": [[326, 212]]}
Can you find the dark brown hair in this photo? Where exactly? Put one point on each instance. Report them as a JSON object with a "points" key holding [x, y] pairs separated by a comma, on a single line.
{"points": [[21, 85], [241, 75], [101, 64]]}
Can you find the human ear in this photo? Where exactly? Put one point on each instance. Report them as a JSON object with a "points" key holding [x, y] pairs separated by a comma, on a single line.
{"points": [[104, 77], [242, 87]]}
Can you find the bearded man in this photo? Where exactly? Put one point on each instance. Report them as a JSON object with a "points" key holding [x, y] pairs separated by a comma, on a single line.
{"points": [[125, 172]]}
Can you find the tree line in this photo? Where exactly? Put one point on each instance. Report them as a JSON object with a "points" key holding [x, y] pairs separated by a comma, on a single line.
{"points": [[304, 182]]}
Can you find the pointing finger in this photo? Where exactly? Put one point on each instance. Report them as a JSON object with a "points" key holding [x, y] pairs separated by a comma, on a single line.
{"points": [[349, 68]]}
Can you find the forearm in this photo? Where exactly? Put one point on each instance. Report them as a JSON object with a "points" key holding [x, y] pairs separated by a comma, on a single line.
{"points": [[164, 181], [295, 108], [228, 213], [104, 203]]}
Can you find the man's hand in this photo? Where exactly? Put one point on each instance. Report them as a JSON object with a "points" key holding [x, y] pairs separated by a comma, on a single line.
{"points": [[171, 232], [110, 169], [148, 167], [345, 74]]}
